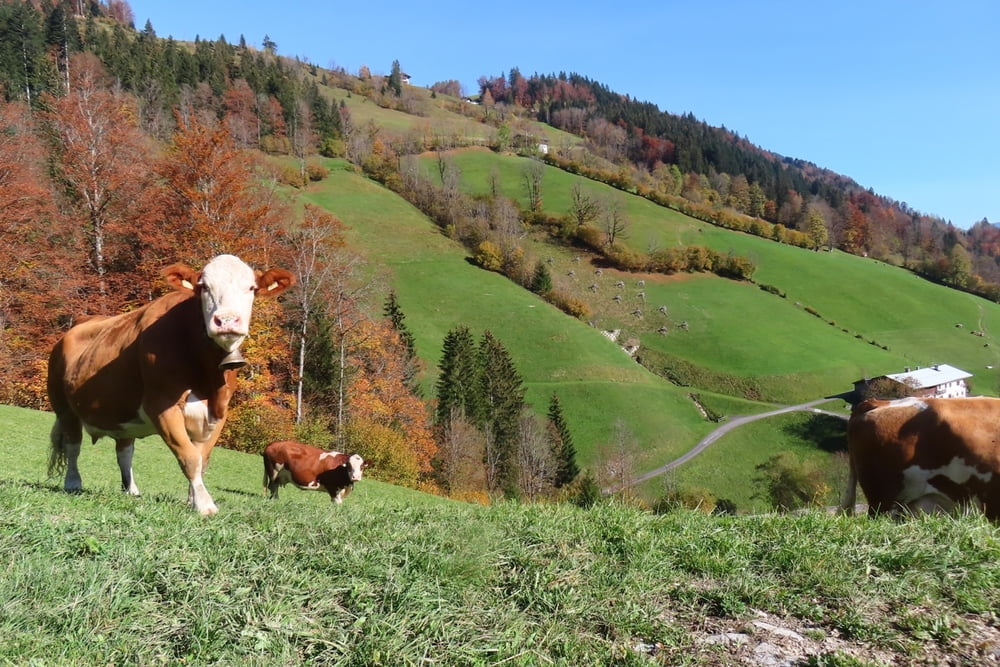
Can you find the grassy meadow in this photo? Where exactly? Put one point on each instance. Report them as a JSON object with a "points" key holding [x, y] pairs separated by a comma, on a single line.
{"points": [[395, 577]]}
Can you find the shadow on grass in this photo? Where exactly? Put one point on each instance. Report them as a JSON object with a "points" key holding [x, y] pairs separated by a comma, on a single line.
{"points": [[827, 432]]}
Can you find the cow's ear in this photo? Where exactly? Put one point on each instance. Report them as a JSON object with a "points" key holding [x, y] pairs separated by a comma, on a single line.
{"points": [[274, 281], [180, 277]]}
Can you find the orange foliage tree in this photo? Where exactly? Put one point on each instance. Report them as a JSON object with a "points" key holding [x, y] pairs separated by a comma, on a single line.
{"points": [[32, 283], [379, 395], [216, 199], [98, 157]]}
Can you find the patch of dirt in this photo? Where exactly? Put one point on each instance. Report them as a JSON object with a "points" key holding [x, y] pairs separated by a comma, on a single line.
{"points": [[767, 640]]}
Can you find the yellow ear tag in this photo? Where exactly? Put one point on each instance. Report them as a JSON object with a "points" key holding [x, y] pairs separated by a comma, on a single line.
{"points": [[187, 285]]}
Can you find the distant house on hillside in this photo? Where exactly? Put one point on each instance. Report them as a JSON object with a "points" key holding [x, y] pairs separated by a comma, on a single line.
{"points": [[940, 380]]}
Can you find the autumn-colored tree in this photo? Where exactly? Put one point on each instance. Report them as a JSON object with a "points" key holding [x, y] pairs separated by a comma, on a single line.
{"points": [[33, 283], [241, 115], [385, 448], [379, 393], [314, 243], [459, 461], [215, 201], [394, 313], [98, 157], [816, 227], [857, 231]]}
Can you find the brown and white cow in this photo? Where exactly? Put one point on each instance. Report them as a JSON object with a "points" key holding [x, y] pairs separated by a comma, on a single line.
{"points": [[168, 367], [925, 454], [310, 468]]}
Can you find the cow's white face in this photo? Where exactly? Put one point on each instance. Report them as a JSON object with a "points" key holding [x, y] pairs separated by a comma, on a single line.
{"points": [[356, 464], [227, 287]]}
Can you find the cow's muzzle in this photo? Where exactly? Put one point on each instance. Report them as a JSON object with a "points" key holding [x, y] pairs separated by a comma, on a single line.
{"points": [[232, 361]]}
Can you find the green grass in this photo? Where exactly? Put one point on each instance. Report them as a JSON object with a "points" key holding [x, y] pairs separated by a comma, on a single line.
{"points": [[397, 578], [438, 290]]}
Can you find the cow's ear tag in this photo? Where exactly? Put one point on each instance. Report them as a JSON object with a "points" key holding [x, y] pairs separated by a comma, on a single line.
{"points": [[187, 285]]}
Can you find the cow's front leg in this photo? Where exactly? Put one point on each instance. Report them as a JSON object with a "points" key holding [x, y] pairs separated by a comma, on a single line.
{"points": [[124, 449], [190, 458]]}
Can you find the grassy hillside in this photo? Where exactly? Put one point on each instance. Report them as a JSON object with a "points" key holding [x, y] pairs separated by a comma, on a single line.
{"points": [[396, 577], [438, 290], [867, 319], [860, 301]]}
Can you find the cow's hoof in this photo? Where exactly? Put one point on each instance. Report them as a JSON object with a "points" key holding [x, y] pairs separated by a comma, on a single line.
{"points": [[211, 510]]}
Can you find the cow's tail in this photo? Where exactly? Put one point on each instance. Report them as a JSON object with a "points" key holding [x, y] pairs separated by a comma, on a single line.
{"points": [[57, 450]]}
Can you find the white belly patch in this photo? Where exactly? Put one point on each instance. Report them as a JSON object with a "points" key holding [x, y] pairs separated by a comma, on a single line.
{"points": [[916, 480], [139, 427]]}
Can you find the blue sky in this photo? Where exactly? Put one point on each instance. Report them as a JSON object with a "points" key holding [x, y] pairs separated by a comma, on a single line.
{"points": [[901, 96]]}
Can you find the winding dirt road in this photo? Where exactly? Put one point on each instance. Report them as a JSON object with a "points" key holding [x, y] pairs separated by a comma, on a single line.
{"points": [[729, 426]]}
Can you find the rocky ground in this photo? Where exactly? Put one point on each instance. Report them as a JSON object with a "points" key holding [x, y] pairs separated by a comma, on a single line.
{"points": [[770, 641]]}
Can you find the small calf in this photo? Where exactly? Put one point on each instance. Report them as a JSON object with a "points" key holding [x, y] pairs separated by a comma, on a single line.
{"points": [[310, 468]]}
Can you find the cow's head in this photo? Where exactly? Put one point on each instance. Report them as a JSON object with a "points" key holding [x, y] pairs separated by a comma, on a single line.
{"points": [[356, 465], [226, 287]]}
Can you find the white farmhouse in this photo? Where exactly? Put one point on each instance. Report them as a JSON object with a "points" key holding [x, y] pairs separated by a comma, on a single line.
{"points": [[940, 380]]}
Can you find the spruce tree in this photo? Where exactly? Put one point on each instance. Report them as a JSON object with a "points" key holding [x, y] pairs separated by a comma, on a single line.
{"points": [[502, 400], [562, 445], [396, 79], [541, 280], [395, 314], [457, 385]]}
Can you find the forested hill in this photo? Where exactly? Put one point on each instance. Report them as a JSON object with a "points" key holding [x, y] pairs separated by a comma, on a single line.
{"points": [[706, 164]]}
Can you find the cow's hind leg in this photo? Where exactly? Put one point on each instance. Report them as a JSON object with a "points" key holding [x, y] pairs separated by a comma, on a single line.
{"points": [[271, 482], [65, 440], [124, 450]]}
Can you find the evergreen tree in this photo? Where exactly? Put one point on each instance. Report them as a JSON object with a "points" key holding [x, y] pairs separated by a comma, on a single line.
{"points": [[396, 79], [502, 395], [562, 445], [457, 383], [398, 319], [395, 314], [25, 69], [541, 280]]}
